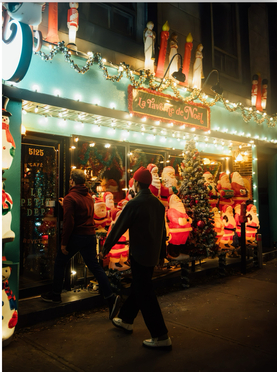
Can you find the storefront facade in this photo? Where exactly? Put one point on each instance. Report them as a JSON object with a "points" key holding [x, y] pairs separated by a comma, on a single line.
{"points": [[108, 120]]}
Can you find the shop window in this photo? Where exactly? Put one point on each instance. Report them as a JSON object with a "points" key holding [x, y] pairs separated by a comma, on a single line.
{"points": [[225, 35], [104, 167], [141, 157], [119, 18]]}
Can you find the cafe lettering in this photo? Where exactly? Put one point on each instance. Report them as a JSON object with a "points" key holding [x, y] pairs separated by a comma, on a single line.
{"points": [[158, 106]]}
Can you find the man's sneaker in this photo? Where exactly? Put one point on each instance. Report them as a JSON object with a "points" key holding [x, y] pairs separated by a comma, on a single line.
{"points": [[128, 328], [155, 343], [52, 297], [114, 304]]}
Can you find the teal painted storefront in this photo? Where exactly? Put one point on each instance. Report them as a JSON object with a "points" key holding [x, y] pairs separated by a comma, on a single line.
{"points": [[12, 186], [57, 83]]}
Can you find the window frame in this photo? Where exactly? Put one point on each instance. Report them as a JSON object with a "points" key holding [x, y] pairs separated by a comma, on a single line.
{"points": [[238, 45]]}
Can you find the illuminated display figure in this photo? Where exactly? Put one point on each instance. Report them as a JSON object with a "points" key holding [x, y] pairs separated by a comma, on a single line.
{"points": [[173, 45], [100, 215], [179, 227], [212, 190], [8, 152], [149, 37], [198, 68], [119, 253], [155, 186], [229, 227], [240, 191], [218, 225], [169, 184], [109, 201], [9, 306], [225, 191], [72, 24], [253, 223]]}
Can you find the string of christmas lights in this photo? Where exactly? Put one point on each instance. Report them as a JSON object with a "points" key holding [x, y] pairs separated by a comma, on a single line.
{"points": [[246, 113]]}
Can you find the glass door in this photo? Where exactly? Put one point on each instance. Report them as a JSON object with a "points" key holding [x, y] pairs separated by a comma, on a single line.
{"points": [[39, 213]]}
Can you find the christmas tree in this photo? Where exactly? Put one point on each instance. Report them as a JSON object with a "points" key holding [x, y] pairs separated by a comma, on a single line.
{"points": [[194, 196]]}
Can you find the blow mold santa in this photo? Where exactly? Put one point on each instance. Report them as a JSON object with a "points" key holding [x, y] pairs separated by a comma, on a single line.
{"points": [[109, 201], [225, 190], [131, 191], [218, 225], [229, 227], [169, 184], [212, 190], [253, 223], [100, 214], [118, 255], [179, 227], [240, 191], [155, 186]]}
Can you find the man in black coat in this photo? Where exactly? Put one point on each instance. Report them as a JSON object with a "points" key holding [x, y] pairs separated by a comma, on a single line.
{"points": [[144, 216]]}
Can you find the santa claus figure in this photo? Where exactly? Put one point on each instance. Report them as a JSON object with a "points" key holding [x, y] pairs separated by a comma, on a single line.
{"points": [[121, 204], [100, 214], [237, 219], [253, 224], [109, 201], [169, 184], [212, 190], [179, 227], [218, 225], [155, 186], [118, 255], [131, 191], [225, 191], [240, 191], [229, 227]]}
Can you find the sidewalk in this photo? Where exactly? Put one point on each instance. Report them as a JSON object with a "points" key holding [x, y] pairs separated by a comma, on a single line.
{"points": [[221, 324]]}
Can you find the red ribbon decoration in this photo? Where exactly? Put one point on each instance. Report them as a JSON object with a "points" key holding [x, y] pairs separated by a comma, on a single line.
{"points": [[9, 136]]}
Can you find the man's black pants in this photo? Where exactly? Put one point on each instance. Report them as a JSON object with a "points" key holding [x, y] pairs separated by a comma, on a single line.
{"points": [[143, 297]]}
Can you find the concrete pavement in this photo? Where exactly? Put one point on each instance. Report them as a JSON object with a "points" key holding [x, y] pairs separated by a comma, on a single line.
{"points": [[221, 324]]}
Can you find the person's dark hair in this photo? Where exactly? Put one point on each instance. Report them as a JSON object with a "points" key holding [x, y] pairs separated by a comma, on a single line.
{"points": [[143, 185], [78, 176]]}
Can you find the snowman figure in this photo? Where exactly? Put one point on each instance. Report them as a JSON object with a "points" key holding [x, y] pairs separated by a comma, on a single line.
{"points": [[9, 305], [8, 144], [7, 203], [8, 150]]}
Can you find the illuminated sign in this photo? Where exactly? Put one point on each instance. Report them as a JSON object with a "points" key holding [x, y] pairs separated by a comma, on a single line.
{"points": [[17, 51], [158, 106]]}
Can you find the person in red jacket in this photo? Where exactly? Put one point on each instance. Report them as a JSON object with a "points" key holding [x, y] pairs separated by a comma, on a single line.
{"points": [[79, 236]]}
